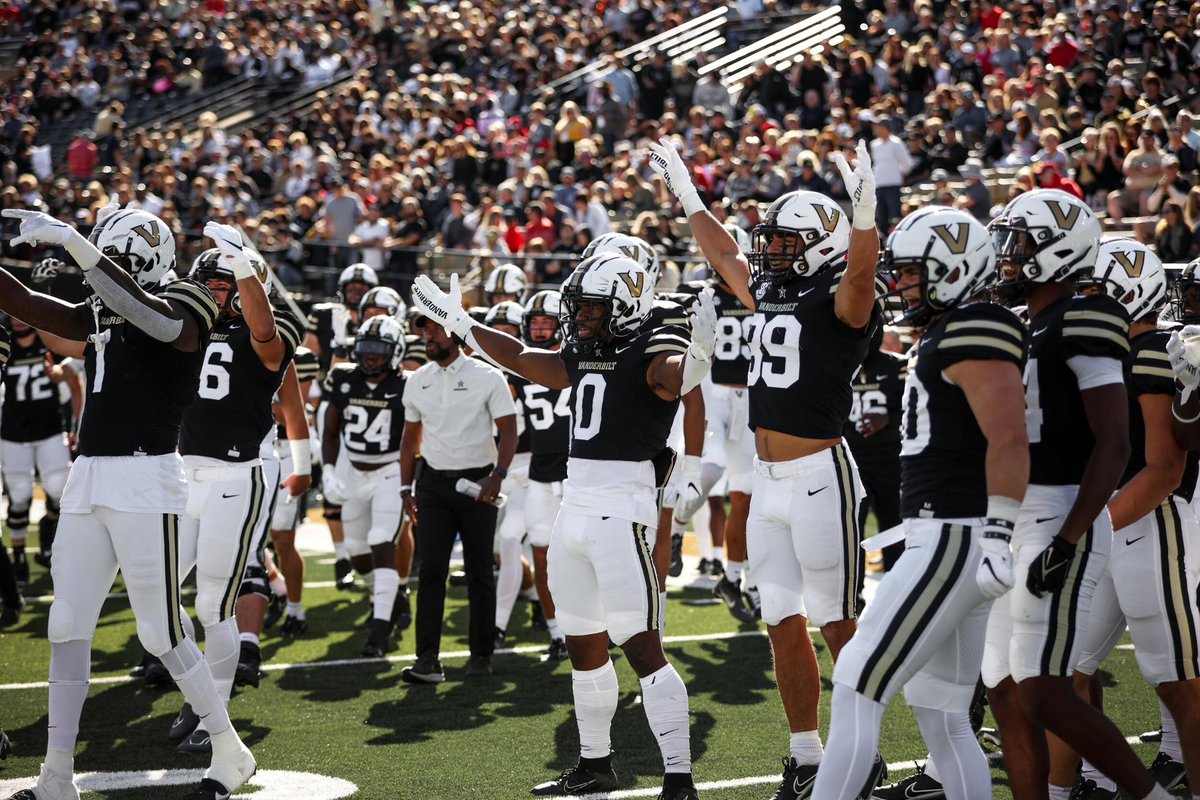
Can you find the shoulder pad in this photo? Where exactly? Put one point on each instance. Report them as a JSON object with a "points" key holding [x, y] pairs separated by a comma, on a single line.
{"points": [[1149, 367], [194, 297], [1095, 325], [290, 328], [667, 339]]}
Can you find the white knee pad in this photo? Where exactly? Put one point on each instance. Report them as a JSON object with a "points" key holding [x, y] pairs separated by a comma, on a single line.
{"points": [[709, 475], [20, 491], [61, 625], [210, 598], [55, 482], [155, 639], [381, 534]]}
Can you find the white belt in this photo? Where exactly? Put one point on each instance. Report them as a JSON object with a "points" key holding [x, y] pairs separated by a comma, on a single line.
{"points": [[230, 473], [778, 470]]}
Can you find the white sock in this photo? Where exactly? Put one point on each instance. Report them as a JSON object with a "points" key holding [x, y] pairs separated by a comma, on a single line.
{"points": [[665, 699], [278, 586], [70, 668], [404, 580], [1170, 734], [60, 762], [1159, 793], [595, 693], [1059, 792], [339, 550], [552, 628], [508, 582], [854, 723], [189, 626], [733, 570], [369, 581], [531, 593], [806, 747], [387, 586], [191, 674], [678, 527], [952, 744], [221, 649], [247, 636], [295, 610], [1090, 773], [719, 552], [931, 769]]}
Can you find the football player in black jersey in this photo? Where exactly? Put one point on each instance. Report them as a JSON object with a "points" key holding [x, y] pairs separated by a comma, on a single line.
{"points": [[1147, 583], [229, 489], [31, 439], [360, 446], [965, 465], [547, 414], [1077, 421], [812, 288], [625, 385], [331, 328], [126, 490], [1183, 348]]}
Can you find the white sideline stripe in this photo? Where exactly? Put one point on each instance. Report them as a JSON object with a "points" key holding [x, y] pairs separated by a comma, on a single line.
{"points": [[188, 590], [351, 662]]}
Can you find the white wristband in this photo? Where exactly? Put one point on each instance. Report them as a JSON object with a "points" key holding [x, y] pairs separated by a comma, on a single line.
{"points": [[864, 218], [1003, 508], [691, 202], [242, 269], [301, 456], [84, 252]]}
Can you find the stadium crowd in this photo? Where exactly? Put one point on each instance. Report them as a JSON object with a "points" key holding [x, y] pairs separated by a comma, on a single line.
{"points": [[449, 141]]}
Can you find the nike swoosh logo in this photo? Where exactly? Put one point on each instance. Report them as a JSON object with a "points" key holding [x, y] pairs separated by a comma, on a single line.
{"points": [[391, 396], [801, 294], [818, 491], [1138, 539], [1040, 520], [913, 792], [1040, 332], [227, 496], [570, 788], [426, 385], [620, 350]]}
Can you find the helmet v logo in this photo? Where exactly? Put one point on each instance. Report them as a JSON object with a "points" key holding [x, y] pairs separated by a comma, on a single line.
{"points": [[1132, 266], [634, 285], [150, 233], [631, 252], [829, 217], [1065, 219], [956, 242]]}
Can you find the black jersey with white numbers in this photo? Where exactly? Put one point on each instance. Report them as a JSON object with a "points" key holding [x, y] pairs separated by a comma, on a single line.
{"points": [[137, 386], [31, 404], [372, 412], [670, 310], [334, 329], [944, 453], [802, 357], [514, 383], [878, 391], [615, 415], [1060, 439], [735, 324], [1148, 371], [232, 413], [547, 416]]}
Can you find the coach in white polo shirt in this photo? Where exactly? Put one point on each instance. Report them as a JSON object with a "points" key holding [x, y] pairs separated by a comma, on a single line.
{"points": [[450, 406]]}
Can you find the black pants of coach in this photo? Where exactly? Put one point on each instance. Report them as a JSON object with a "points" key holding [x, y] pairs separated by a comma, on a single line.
{"points": [[442, 513]]}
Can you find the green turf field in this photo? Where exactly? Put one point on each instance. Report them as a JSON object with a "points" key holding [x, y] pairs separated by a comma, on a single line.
{"points": [[355, 720]]}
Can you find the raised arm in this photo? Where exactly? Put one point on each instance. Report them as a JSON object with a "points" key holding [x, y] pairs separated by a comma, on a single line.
{"points": [[855, 299], [715, 242], [61, 320], [543, 367], [256, 308]]}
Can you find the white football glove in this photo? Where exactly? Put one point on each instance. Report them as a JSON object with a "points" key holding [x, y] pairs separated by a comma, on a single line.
{"points": [[860, 185], [333, 489], [704, 326], [40, 228], [666, 161], [111, 207], [690, 495], [994, 576], [444, 308], [1183, 349], [229, 242]]}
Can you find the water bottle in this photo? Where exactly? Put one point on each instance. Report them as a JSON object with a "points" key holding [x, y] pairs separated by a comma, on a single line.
{"points": [[472, 489]]}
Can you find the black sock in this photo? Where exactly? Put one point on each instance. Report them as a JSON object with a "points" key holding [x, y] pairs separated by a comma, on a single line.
{"points": [[673, 781], [597, 764], [8, 581]]}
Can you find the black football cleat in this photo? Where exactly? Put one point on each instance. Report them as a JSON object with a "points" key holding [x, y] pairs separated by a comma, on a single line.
{"points": [[499, 638], [20, 568], [557, 651], [578, 780], [379, 640], [730, 594], [198, 743], [1168, 772], [249, 668], [11, 615], [704, 567], [676, 567], [423, 671], [402, 616], [915, 787], [5, 746], [798, 780], [343, 574], [156, 674], [537, 617], [185, 722], [876, 777], [293, 627]]}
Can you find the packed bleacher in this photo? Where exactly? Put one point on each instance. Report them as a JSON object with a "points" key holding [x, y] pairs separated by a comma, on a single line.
{"points": [[518, 132]]}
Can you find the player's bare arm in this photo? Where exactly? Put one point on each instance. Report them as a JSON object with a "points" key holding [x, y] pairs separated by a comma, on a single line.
{"points": [[66, 322], [256, 308], [1107, 410], [997, 396], [1165, 463]]}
